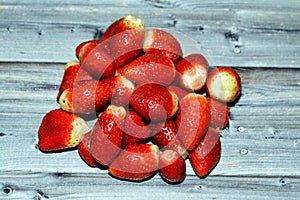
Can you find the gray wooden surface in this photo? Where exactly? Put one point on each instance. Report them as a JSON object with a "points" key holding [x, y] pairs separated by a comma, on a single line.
{"points": [[260, 162]]}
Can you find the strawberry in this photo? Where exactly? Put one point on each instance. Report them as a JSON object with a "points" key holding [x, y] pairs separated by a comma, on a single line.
{"points": [[178, 91], [207, 154], [109, 31], [163, 43], [192, 119], [126, 39], [78, 48], [73, 74], [95, 58], [154, 102], [107, 134], [219, 114], [165, 137], [135, 129], [149, 68], [85, 152], [87, 97], [192, 72], [136, 162], [122, 92], [61, 130], [223, 84], [172, 167]]}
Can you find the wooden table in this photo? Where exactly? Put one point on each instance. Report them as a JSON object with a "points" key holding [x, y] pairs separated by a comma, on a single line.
{"points": [[260, 149]]}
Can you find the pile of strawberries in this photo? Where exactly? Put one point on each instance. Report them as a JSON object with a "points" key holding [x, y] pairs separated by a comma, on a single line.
{"points": [[154, 108]]}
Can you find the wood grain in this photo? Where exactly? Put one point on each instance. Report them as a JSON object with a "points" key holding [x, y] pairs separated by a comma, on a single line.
{"points": [[264, 35], [260, 148]]}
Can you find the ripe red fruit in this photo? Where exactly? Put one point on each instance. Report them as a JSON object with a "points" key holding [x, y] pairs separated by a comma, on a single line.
{"points": [[85, 152], [136, 162], [107, 135], [109, 31], [165, 137], [87, 97], [207, 154], [149, 68], [163, 43], [73, 74], [172, 167], [126, 39], [96, 59], [154, 102], [192, 119], [223, 84], [79, 47], [122, 92], [135, 129], [178, 91], [219, 114], [192, 72], [61, 130]]}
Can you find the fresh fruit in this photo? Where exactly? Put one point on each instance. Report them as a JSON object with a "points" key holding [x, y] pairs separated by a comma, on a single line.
{"points": [[79, 47], [136, 162], [163, 43], [109, 31], [85, 152], [73, 74], [107, 135], [87, 97], [219, 114], [172, 167], [154, 102], [165, 137], [97, 60], [122, 91], [192, 72], [149, 68], [135, 129], [61, 130], [207, 154], [178, 91], [126, 40], [223, 84], [192, 119]]}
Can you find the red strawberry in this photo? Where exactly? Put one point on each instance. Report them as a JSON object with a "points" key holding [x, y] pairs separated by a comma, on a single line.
{"points": [[172, 167], [192, 119], [207, 154], [135, 129], [192, 72], [122, 92], [165, 137], [87, 97], [149, 68], [109, 31], [163, 43], [78, 48], [154, 102], [136, 162], [84, 48], [85, 152], [73, 74], [219, 114], [223, 84], [96, 59], [61, 130], [178, 91], [126, 39], [107, 135]]}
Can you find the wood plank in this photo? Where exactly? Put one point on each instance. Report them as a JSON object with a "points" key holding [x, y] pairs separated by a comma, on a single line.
{"points": [[267, 36], [95, 186]]}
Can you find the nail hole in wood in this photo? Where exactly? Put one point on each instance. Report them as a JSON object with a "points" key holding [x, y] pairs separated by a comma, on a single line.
{"points": [[7, 190]]}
